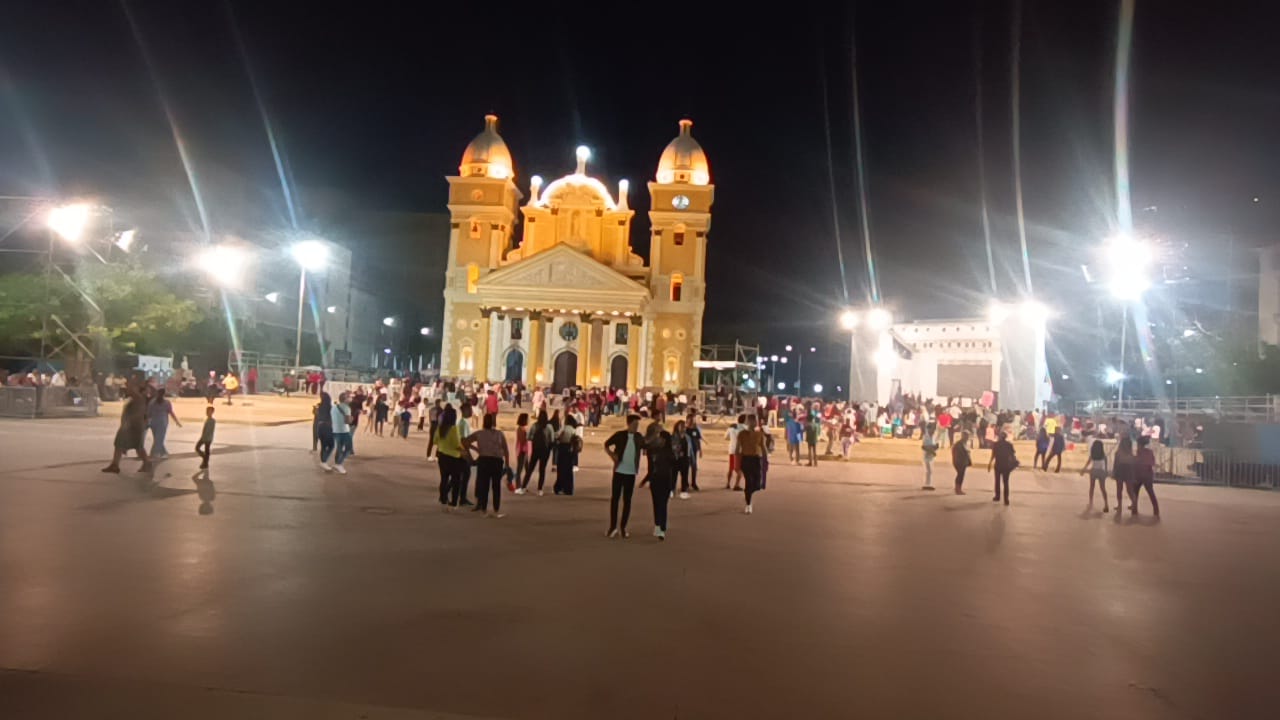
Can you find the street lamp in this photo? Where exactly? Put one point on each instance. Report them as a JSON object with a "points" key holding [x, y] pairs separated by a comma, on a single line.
{"points": [[310, 255], [817, 388], [1128, 260], [70, 221], [389, 321], [425, 332], [848, 319], [879, 319], [224, 264]]}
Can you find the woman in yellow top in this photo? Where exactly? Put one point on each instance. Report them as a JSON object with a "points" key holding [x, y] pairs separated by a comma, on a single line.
{"points": [[450, 456], [231, 384]]}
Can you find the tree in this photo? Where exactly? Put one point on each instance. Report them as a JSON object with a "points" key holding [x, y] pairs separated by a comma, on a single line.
{"points": [[120, 307]]}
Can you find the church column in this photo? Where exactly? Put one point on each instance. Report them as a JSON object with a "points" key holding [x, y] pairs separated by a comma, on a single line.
{"points": [[634, 344], [646, 350], [533, 362], [584, 350], [606, 345], [481, 360]]}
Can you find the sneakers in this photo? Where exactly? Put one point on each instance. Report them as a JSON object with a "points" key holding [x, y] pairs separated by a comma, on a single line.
{"points": [[660, 533], [672, 495], [519, 491], [539, 493], [326, 467], [684, 496], [495, 515], [340, 470], [613, 533], [747, 511], [657, 531]]}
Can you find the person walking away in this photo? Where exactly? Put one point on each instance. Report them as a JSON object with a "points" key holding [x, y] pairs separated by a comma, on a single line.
{"points": [[680, 446], [928, 450], [752, 446], [159, 412], [1144, 476], [693, 435], [960, 459], [492, 457], [1057, 444], [433, 420], [660, 478], [812, 429], [522, 453], [1042, 450], [1005, 459], [565, 456], [623, 448], [133, 427], [734, 476], [342, 419], [1122, 469], [449, 457], [322, 427], [541, 443], [205, 443], [1096, 465]]}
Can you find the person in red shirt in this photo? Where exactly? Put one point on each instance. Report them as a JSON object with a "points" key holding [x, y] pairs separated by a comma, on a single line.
{"points": [[251, 380], [944, 424], [491, 403]]}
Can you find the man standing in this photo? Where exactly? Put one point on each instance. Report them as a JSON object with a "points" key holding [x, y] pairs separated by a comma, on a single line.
{"points": [[752, 447], [342, 419], [623, 448]]}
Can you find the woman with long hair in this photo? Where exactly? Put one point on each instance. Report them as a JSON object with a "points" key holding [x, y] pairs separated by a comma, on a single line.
{"points": [[323, 426], [158, 414], [661, 476], [567, 445], [680, 445], [1096, 465], [522, 452], [541, 442], [1122, 470], [449, 456]]}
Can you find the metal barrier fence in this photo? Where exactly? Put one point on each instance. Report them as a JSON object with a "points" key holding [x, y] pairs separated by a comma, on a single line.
{"points": [[30, 402]]}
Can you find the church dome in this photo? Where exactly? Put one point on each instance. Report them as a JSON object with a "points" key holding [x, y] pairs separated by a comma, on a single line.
{"points": [[487, 155], [684, 161]]}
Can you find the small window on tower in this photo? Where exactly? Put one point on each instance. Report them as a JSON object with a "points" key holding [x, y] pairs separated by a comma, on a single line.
{"points": [[473, 277], [678, 233], [677, 287]]}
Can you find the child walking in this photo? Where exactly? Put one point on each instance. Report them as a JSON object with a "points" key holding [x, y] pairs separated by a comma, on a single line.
{"points": [[206, 438], [929, 450]]}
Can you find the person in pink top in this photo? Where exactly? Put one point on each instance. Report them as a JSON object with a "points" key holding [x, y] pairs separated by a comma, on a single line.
{"points": [[491, 403]]}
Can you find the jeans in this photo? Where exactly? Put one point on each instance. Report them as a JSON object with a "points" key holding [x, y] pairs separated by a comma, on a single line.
{"points": [[1140, 481], [1002, 475], [431, 437], [623, 487], [1053, 454], [682, 468], [158, 430], [342, 440], [202, 449], [448, 465], [660, 490], [522, 459], [960, 476], [540, 460], [928, 472], [751, 472], [488, 479]]}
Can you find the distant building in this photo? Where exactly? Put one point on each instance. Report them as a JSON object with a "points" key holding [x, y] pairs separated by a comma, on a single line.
{"points": [[940, 359], [568, 302], [1269, 296]]}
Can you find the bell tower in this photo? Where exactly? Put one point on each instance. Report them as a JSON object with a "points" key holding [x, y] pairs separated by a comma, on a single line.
{"points": [[680, 199], [483, 200]]}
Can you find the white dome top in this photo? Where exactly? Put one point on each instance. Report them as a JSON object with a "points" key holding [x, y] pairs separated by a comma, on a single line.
{"points": [[683, 161], [487, 155]]}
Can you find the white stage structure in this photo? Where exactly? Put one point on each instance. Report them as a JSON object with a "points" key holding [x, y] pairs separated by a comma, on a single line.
{"points": [[1003, 353]]}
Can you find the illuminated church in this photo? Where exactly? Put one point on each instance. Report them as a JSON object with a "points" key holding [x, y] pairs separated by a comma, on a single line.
{"points": [[565, 301]]}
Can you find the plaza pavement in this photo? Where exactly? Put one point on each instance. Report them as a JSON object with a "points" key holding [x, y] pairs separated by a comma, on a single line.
{"points": [[850, 593]]}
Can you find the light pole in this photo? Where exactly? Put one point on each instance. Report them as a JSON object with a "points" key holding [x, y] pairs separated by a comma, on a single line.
{"points": [[1128, 260], [310, 255], [878, 320]]}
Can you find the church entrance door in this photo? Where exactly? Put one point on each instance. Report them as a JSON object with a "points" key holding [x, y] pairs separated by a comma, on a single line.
{"points": [[515, 366], [618, 372], [566, 372]]}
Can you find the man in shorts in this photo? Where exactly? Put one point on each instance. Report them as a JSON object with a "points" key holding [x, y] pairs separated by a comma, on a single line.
{"points": [[735, 470]]}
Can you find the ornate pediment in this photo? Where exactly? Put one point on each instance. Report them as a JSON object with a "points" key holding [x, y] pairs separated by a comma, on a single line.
{"points": [[561, 268]]}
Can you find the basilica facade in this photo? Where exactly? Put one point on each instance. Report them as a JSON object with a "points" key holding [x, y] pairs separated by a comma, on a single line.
{"points": [[545, 288]]}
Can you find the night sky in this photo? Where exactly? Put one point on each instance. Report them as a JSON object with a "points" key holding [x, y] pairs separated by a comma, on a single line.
{"points": [[378, 100]]}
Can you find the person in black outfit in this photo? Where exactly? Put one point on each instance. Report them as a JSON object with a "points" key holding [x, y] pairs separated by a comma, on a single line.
{"points": [[1005, 459], [960, 460], [541, 439], [1058, 443], [624, 448], [661, 479]]}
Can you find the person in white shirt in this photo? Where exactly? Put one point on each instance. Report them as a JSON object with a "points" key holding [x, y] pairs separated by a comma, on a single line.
{"points": [[734, 477], [624, 448]]}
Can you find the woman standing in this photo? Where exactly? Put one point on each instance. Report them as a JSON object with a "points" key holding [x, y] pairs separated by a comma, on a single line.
{"points": [[1097, 467], [1122, 471], [522, 453], [158, 414], [961, 460], [1042, 450], [541, 442], [1144, 476], [322, 428], [490, 446], [449, 456], [567, 443], [661, 476]]}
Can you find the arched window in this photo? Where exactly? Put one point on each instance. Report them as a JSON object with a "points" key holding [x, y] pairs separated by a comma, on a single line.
{"points": [[671, 373], [466, 359], [677, 287], [473, 277], [678, 233]]}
